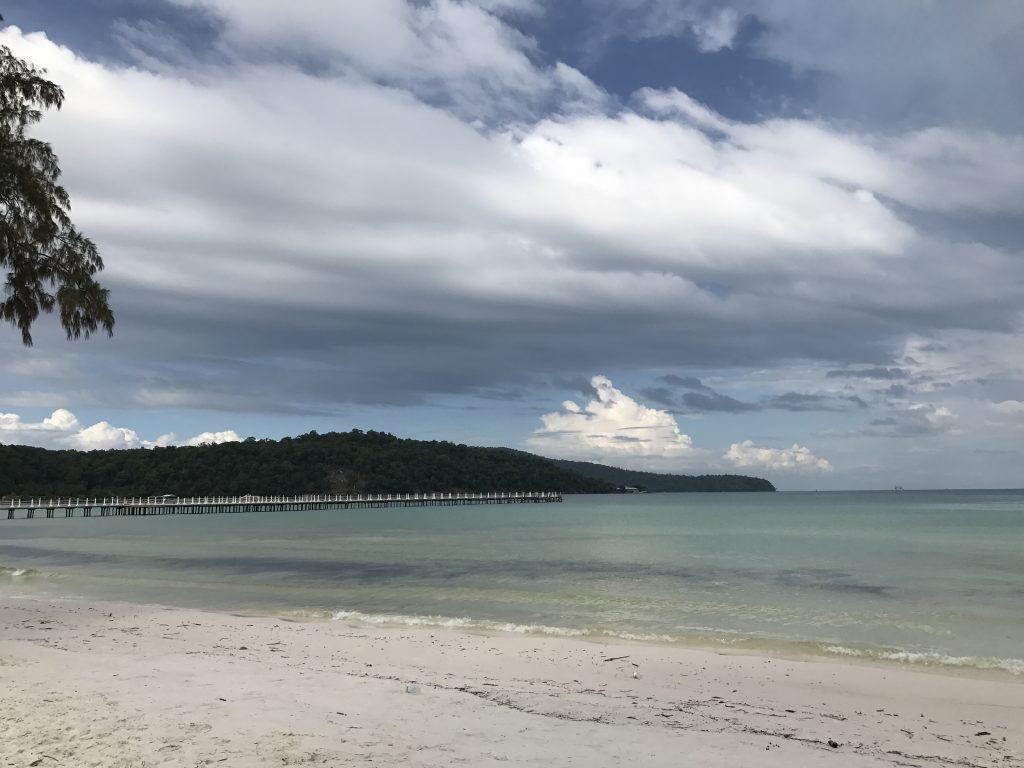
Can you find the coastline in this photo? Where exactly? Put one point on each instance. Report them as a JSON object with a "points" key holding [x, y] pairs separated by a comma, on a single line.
{"points": [[88, 682]]}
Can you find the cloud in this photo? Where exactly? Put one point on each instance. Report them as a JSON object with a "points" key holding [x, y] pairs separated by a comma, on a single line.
{"points": [[613, 427], [685, 382], [711, 28], [706, 400], [717, 31], [812, 401], [214, 438], [357, 226], [868, 373], [461, 55], [857, 53], [698, 401], [915, 420], [1009, 407], [746, 455], [660, 395], [62, 429]]}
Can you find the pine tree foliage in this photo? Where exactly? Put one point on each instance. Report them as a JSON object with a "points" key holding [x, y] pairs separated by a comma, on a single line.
{"points": [[49, 263]]}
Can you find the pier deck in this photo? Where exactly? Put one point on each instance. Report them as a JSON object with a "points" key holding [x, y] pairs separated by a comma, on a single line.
{"points": [[21, 509]]}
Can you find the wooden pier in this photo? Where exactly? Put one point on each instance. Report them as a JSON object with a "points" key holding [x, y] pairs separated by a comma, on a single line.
{"points": [[27, 509]]}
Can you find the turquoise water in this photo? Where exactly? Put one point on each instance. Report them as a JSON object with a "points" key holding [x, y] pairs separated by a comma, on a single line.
{"points": [[919, 577]]}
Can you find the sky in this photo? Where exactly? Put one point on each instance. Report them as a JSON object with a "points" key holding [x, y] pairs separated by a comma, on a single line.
{"points": [[777, 238]]}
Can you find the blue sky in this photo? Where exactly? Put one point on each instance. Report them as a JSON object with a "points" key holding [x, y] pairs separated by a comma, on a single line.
{"points": [[780, 238]]}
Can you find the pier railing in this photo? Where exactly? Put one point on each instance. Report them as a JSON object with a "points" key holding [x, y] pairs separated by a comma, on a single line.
{"points": [[196, 505]]}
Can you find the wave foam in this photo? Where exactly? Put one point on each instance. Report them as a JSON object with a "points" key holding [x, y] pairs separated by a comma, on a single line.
{"points": [[16, 572], [448, 622], [930, 658]]}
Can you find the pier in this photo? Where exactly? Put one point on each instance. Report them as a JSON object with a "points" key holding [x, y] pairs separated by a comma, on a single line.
{"points": [[145, 506]]}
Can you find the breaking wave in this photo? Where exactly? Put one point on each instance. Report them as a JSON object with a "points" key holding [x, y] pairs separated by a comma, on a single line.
{"points": [[928, 658], [16, 573]]}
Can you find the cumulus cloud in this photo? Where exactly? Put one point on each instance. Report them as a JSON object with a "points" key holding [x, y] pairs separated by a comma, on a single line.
{"points": [[613, 427], [214, 438], [746, 455], [62, 429]]}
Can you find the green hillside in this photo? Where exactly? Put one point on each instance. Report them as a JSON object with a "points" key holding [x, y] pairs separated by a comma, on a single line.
{"points": [[655, 483], [337, 462], [346, 462]]}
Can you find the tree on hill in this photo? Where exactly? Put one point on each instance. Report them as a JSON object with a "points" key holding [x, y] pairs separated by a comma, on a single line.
{"points": [[335, 462], [49, 263]]}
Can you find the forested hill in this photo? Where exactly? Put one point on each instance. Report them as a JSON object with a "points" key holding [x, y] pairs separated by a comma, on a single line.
{"points": [[346, 462], [337, 462], [655, 483]]}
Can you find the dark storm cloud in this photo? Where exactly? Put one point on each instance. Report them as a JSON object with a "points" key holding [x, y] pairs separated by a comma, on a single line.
{"points": [[685, 382], [802, 401], [706, 400], [304, 361], [697, 401], [868, 373], [659, 396]]}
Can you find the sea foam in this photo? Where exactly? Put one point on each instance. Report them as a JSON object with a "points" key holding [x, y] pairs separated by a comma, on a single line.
{"points": [[929, 658]]}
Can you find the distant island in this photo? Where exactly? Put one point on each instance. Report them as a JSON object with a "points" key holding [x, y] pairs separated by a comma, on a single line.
{"points": [[336, 462]]}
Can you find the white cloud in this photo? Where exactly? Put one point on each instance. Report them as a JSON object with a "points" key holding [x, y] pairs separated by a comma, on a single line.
{"points": [[559, 212], [718, 30], [214, 438], [103, 436], [746, 455], [613, 427], [1009, 407], [962, 357], [62, 429], [460, 54]]}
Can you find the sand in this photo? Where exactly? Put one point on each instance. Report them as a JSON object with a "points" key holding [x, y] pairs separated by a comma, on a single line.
{"points": [[114, 685]]}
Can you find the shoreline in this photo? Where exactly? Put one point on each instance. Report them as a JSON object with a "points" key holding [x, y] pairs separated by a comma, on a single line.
{"points": [[88, 682], [743, 644], [889, 657]]}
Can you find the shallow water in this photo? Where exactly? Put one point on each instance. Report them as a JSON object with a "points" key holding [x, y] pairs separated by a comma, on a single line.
{"points": [[924, 577]]}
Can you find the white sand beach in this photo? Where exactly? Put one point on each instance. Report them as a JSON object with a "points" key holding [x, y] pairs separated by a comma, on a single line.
{"points": [[106, 684]]}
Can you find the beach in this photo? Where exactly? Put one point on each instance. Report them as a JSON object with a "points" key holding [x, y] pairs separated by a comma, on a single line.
{"points": [[93, 683]]}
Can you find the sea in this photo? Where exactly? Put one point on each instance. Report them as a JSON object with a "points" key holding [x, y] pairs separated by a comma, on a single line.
{"points": [[928, 578]]}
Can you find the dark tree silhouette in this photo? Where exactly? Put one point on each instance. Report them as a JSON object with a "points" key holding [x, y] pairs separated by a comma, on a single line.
{"points": [[336, 462], [49, 263]]}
